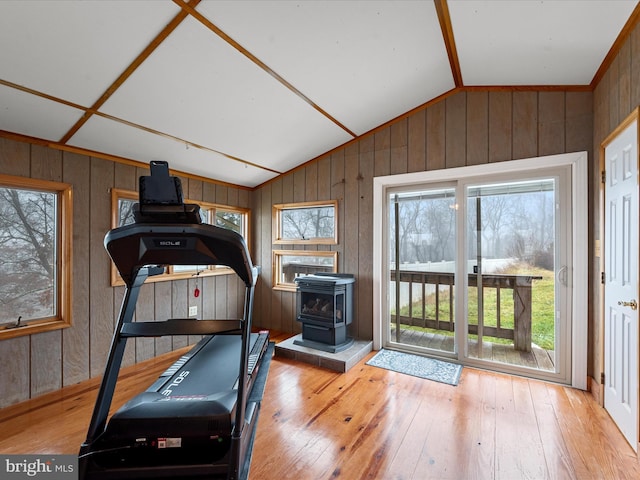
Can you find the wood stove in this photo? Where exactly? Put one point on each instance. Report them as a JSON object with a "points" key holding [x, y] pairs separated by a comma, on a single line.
{"points": [[325, 309]]}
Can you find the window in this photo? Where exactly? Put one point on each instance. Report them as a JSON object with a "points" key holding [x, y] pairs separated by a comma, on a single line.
{"points": [[305, 223], [232, 218], [35, 256], [289, 264]]}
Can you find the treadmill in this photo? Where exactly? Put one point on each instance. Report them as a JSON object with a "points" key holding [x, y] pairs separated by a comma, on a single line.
{"points": [[198, 419]]}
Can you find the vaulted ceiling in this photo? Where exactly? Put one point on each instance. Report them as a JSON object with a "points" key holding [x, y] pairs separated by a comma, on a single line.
{"points": [[242, 91]]}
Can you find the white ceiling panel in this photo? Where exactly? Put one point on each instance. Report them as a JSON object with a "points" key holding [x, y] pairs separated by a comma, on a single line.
{"points": [[364, 63], [119, 139], [527, 42], [214, 96], [75, 50], [34, 116]]}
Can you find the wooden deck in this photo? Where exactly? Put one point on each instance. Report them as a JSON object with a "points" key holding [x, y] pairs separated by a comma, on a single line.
{"points": [[537, 358]]}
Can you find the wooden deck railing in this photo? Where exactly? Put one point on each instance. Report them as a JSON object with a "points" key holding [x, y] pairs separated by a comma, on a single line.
{"points": [[520, 286], [292, 270]]}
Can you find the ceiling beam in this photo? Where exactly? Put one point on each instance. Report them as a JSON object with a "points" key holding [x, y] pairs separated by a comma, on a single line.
{"points": [[449, 41], [166, 31]]}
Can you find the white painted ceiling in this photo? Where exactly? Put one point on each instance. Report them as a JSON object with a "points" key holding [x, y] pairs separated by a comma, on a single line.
{"points": [[242, 91]]}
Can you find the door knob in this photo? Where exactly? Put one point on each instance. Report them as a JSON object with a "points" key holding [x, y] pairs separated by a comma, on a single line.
{"points": [[633, 304]]}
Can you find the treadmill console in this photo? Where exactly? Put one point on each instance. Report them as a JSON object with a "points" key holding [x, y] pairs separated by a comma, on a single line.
{"points": [[161, 198]]}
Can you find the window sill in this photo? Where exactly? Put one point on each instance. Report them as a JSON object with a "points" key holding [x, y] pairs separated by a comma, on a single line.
{"points": [[32, 327]]}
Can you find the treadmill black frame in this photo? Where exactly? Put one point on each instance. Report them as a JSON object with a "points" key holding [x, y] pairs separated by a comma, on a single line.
{"points": [[143, 249]]}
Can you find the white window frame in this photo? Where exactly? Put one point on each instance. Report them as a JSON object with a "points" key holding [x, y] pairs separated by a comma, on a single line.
{"points": [[579, 225]]}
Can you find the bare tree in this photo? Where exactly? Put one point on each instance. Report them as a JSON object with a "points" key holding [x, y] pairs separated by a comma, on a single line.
{"points": [[308, 223], [27, 253]]}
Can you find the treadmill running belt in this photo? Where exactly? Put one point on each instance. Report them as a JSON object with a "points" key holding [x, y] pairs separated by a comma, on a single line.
{"points": [[186, 415]]}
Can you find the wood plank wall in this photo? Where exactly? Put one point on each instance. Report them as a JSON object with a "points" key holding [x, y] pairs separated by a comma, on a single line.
{"points": [[467, 128], [48, 361], [614, 98]]}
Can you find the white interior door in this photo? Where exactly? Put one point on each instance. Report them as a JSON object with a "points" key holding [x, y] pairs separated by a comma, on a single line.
{"points": [[621, 284]]}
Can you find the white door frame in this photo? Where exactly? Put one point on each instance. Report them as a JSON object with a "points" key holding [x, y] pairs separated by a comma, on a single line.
{"points": [[578, 278], [601, 252]]}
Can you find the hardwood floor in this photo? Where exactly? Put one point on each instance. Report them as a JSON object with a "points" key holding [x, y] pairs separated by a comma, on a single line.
{"points": [[373, 423]]}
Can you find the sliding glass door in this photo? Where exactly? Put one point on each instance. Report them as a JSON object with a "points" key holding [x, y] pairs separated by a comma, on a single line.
{"points": [[516, 271], [422, 267], [478, 271]]}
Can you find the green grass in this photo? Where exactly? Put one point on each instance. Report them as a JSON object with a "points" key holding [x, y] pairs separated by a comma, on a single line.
{"points": [[542, 308]]}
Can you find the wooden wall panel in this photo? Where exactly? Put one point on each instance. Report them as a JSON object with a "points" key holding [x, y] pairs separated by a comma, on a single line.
{"points": [[634, 69], [382, 152], [337, 193], [266, 279], [455, 131], [624, 78], [579, 121], [311, 182], [15, 380], [399, 147], [416, 142], [551, 122], [126, 177], [477, 128], [614, 94], [46, 163], [525, 121], [324, 178], [15, 158], [46, 362], [102, 302], [75, 342], [351, 249], [364, 276], [500, 126], [278, 312], [299, 182], [436, 136], [258, 245]]}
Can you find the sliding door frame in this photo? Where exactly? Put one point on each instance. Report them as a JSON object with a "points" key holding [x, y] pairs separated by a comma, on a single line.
{"points": [[578, 277]]}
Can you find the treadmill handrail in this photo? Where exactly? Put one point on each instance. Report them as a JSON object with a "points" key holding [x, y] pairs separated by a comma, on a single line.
{"points": [[176, 326], [135, 246]]}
